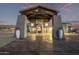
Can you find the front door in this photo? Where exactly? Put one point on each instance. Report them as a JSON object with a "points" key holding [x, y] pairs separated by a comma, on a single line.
{"points": [[40, 33]]}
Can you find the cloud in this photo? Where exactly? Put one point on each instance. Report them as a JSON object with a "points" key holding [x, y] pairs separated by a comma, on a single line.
{"points": [[66, 7]]}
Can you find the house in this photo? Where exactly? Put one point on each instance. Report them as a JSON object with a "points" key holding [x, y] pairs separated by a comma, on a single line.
{"points": [[67, 27], [39, 20], [39, 24]]}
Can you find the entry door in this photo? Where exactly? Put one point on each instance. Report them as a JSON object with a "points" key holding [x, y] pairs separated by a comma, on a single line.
{"points": [[44, 40], [41, 36]]}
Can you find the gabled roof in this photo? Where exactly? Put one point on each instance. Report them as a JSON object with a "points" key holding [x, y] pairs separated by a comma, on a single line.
{"points": [[39, 6]]}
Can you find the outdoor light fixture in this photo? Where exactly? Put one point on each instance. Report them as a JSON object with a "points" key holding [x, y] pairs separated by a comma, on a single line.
{"points": [[46, 24], [36, 10], [32, 24]]}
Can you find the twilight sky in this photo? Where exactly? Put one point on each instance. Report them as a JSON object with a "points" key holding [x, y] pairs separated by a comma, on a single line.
{"points": [[8, 12]]}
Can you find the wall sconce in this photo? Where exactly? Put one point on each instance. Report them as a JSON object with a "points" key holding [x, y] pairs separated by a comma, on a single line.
{"points": [[46, 24], [32, 24]]}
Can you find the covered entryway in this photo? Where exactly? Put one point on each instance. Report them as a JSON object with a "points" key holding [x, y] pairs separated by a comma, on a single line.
{"points": [[40, 28], [39, 25], [40, 31]]}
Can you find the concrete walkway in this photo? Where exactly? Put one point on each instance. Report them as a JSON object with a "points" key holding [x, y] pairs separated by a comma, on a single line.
{"points": [[11, 46]]}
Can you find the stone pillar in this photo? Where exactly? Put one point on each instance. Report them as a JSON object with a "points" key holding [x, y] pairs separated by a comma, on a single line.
{"points": [[22, 25], [50, 22], [57, 24]]}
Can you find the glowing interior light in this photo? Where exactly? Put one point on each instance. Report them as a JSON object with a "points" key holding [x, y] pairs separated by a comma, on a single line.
{"points": [[32, 24], [39, 27], [46, 24]]}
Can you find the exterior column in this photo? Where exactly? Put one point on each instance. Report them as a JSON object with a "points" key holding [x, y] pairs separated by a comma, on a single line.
{"points": [[22, 25], [57, 24]]}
